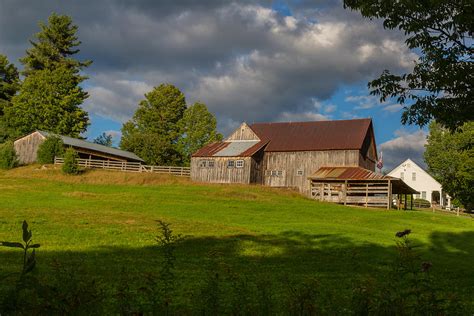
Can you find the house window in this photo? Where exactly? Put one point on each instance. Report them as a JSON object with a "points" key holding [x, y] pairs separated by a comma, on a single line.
{"points": [[413, 176], [202, 164], [299, 172], [239, 163], [402, 175], [230, 164], [423, 195], [210, 163]]}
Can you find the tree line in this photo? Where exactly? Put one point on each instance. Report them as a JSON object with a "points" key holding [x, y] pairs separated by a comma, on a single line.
{"points": [[47, 95]]}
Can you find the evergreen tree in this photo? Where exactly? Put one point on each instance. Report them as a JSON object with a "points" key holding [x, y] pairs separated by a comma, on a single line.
{"points": [[198, 129], [51, 95], [154, 130], [9, 85]]}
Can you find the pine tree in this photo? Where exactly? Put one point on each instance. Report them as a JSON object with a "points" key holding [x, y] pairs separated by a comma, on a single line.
{"points": [[9, 85]]}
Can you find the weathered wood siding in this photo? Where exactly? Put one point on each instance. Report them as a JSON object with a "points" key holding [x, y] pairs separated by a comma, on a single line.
{"points": [[307, 162], [220, 173], [27, 147], [244, 132]]}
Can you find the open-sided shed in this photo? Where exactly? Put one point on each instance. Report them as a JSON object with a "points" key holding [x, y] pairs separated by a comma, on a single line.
{"points": [[357, 186]]}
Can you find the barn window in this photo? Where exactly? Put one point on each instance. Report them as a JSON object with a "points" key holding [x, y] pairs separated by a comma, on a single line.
{"points": [[202, 164], [299, 172], [413, 176], [210, 163], [279, 173], [230, 164], [239, 163]]}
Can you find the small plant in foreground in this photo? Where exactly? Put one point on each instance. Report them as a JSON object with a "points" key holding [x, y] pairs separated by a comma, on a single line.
{"points": [[71, 165]]}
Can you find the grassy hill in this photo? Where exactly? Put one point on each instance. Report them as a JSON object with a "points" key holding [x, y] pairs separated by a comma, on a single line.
{"points": [[103, 225]]}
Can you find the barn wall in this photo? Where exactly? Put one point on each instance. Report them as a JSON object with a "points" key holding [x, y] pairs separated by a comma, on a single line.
{"points": [[26, 147], [307, 161], [220, 173], [244, 132]]}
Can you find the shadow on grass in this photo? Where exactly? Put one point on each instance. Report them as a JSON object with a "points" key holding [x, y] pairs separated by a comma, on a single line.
{"points": [[335, 261]]}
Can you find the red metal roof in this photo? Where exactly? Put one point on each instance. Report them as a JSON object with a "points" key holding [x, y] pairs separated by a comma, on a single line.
{"points": [[309, 136], [210, 149], [348, 173]]}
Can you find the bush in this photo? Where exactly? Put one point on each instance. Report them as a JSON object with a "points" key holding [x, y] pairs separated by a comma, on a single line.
{"points": [[8, 159], [420, 203], [71, 165], [53, 146]]}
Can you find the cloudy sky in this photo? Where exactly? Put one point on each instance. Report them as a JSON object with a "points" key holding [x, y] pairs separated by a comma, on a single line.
{"points": [[248, 61]]}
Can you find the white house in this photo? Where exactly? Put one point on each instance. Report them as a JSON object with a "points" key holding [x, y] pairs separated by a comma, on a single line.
{"points": [[420, 180]]}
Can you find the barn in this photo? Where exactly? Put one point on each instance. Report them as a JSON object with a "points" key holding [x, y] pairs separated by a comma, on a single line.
{"points": [[27, 146], [292, 154]]}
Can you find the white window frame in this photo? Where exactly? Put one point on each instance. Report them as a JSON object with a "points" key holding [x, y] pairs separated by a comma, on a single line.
{"points": [[211, 163], [413, 176], [202, 163], [300, 172], [230, 164], [239, 163], [423, 195]]}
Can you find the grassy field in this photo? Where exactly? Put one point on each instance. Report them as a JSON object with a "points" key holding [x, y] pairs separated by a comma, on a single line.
{"points": [[104, 224]]}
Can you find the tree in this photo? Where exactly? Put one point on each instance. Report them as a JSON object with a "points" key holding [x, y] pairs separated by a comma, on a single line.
{"points": [[198, 127], [51, 95], [49, 100], [440, 86], [52, 147], [450, 158], [56, 44], [154, 130], [9, 85], [8, 158], [104, 139]]}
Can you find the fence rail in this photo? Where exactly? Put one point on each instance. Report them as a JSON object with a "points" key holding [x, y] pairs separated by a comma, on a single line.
{"points": [[128, 166]]}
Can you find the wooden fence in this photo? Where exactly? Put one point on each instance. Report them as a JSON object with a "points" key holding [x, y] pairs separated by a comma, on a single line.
{"points": [[128, 166]]}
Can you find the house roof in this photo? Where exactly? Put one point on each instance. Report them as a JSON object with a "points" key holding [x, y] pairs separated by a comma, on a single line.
{"points": [[297, 136], [79, 143], [361, 174]]}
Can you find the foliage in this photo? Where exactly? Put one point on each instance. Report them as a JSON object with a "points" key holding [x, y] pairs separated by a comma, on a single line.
{"points": [[154, 130], [198, 129], [104, 139], [55, 45], [450, 159], [52, 147], [8, 159], [9, 85], [421, 203], [71, 165], [49, 100], [51, 94], [440, 86]]}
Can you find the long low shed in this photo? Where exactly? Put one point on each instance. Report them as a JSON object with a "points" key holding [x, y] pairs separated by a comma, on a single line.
{"points": [[357, 186]]}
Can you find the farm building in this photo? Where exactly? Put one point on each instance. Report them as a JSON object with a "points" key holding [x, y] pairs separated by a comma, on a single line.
{"points": [[429, 189], [290, 154], [27, 146]]}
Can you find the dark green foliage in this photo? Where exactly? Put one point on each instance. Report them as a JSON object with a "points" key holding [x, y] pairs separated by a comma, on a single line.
{"points": [[198, 129], [440, 86], [52, 147], [9, 85], [104, 139], [50, 96], [450, 159], [8, 159], [421, 203], [71, 165]]}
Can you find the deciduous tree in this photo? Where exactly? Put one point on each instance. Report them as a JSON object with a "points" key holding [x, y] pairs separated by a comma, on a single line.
{"points": [[450, 158], [198, 129], [104, 139], [440, 86]]}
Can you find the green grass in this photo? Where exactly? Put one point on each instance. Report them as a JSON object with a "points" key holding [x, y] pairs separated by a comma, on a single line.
{"points": [[105, 223]]}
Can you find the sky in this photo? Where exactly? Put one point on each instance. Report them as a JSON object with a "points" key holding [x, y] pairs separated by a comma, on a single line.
{"points": [[252, 61]]}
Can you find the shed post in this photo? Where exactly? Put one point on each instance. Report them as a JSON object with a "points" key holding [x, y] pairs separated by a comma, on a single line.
{"points": [[389, 194], [345, 192], [366, 194], [405, 204]]}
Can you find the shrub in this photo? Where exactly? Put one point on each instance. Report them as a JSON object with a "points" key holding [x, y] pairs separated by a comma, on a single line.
{"points": [[8, 157], [50, 148], [420, 203], [71, 165]]}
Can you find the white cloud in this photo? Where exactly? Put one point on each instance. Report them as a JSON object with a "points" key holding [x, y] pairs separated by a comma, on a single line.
{"points": [[403, 146], [393, 108]]}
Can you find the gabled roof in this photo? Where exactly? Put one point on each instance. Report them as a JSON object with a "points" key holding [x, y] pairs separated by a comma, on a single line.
{"points": [[297, 136], [418, 166], [79, 143]]}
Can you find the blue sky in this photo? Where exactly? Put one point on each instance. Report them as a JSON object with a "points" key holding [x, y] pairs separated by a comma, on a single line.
{"points": [[247, 61]]}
